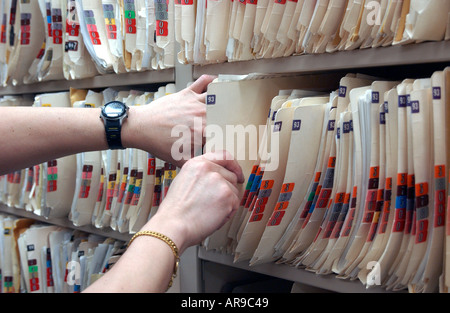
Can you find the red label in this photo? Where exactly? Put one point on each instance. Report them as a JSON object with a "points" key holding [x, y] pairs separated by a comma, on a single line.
{"points": [[162, 28], [276, 218]]}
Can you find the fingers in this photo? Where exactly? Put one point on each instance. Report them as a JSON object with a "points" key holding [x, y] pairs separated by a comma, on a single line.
{"points": [[201, 84], [227, 161]]}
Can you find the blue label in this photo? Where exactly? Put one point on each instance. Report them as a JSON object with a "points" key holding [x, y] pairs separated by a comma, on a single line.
{"points": [[400, 202], [296, 124], [331, 124], [342, 91], [211, 99], [375, 97], [415, 107], [256, 183], [382, 118], [277, 127], [402, 101], [346, 127], [436, 93]]}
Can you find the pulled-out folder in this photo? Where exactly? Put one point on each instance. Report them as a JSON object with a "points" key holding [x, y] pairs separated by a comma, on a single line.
{"points": [[306, 132]]}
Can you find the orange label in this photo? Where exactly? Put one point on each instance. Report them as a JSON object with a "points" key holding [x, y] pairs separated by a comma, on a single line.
{"points": [[281, 206], [374, 172], [402, 179], [287, 187], [267, 184], [340, 197], [411, 179], [380, 195], [317, 178], [421, 189], [388, 183], [439, 171], [347, 198], [331, 161]]}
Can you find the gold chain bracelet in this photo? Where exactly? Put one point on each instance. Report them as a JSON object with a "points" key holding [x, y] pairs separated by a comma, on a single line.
{"points": [[168, 241]]}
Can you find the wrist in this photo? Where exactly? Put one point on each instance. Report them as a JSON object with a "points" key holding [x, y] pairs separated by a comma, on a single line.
{"points": [[170, 227]]}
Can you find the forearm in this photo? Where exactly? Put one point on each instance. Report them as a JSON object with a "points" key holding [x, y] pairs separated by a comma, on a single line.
{"points": [[34, 135], [148, 263]]}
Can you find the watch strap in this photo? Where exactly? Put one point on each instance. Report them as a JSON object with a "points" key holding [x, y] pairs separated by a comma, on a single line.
{"points": [[113, 130]]}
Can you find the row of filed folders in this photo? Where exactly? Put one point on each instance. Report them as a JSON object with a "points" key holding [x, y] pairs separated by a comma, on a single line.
{"points": [[75, 39], [116, 189], [42, 258], [352, 182]]}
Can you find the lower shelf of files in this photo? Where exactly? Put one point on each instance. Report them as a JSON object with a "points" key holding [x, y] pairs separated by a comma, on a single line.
{"points": [[326, 282], [64, 222]]}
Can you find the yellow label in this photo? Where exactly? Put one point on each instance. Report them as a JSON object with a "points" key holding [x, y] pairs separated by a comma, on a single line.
{"points": [[170, 174]]}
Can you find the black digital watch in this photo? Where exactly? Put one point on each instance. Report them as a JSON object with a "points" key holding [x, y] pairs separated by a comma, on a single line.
{"points": [[113, 114]]}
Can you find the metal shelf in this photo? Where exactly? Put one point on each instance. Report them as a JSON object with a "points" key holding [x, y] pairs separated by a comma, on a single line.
{"points": [[327, 282], [101, 81], [64, 222], [421, 53]]}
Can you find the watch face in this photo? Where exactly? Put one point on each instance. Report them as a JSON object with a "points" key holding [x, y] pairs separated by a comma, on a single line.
{"points": [[114, 109]]}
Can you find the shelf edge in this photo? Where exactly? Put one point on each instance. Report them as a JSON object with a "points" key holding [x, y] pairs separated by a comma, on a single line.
{"points": [[327, 282], [64, 222], [100, 81]]}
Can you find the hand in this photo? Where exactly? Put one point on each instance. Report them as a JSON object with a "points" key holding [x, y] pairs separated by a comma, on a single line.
{"points": [[201, 199], [152, 126]]}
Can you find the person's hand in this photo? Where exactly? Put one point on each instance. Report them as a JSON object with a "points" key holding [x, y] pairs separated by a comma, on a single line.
{"points": [[170, 123], [201, 199]]}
